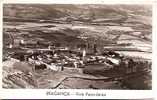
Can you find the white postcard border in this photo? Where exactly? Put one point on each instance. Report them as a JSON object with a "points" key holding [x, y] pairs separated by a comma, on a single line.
{"points": [[110, 94]]}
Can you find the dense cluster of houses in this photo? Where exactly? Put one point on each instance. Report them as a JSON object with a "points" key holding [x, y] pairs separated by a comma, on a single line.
{"points": [[58, 58]]}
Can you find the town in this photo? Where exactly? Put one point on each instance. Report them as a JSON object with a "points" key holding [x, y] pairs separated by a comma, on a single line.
{"points": [[60, 58]]}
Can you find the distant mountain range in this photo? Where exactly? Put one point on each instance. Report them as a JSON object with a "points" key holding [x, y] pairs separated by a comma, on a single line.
{"points": [[78, 11]]}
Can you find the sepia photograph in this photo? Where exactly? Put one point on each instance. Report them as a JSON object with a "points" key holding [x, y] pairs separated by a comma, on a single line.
{"points": [[77, 46]]}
